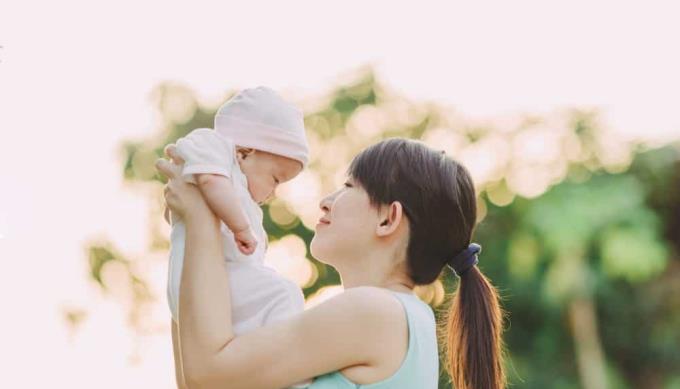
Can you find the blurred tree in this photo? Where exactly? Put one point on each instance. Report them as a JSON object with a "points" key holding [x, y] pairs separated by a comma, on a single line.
{"points": [[581, 230]]}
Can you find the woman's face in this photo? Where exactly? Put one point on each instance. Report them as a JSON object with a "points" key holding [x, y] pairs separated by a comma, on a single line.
{"points": [[347, 226]]}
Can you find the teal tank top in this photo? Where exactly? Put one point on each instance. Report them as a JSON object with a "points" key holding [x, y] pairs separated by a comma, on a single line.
{"points": [[420, 367]]}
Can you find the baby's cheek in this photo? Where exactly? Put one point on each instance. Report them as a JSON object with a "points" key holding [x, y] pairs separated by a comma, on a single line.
{"points": [[258, 191]]}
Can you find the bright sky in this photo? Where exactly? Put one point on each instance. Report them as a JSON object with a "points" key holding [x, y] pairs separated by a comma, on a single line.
{"points": [[75, 78]]}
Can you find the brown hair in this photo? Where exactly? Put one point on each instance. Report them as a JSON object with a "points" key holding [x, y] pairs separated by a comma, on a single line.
{"points": [[438, 197]]}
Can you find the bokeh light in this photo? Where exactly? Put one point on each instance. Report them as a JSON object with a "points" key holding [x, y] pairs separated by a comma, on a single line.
{"points": [[288, 257]]}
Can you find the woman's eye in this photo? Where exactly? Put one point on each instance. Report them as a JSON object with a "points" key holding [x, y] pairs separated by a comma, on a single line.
{"points": [[348, 185], [276, 180]]}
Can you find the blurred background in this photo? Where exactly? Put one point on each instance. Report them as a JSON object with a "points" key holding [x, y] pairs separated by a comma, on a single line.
{"points": [[565, 113]]}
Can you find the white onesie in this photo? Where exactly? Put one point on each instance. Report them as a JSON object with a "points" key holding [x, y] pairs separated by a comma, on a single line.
{"points": [[259, 295]]}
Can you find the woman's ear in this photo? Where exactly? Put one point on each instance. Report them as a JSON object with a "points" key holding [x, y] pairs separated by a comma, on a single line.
{"points": [[390, 220]]}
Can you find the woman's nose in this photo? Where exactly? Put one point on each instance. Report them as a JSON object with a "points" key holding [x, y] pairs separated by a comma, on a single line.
{"points": [[326, 202]]}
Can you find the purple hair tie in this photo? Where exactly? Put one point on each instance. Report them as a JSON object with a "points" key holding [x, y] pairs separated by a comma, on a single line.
{"points": [[466, 259]]}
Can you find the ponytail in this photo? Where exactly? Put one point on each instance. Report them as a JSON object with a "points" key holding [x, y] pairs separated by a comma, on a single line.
{"points": [[439, 200], [473, 341]]}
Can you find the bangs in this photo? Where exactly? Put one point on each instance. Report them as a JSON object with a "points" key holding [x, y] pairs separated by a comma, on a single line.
{"points": [[376, 169]]}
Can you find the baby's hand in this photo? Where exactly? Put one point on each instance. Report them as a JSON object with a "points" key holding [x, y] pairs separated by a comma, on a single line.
{"points": [[245, 241]]}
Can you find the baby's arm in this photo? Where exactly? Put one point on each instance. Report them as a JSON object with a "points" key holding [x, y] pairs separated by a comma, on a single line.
{"points": [[221, 197], [208, 159]]}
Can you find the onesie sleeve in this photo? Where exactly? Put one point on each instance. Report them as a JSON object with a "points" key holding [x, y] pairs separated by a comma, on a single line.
{"points": [[205, 151], [288, 302]]}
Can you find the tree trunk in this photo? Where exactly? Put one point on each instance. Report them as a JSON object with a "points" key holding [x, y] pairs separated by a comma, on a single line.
{"points": [[589, 355]]}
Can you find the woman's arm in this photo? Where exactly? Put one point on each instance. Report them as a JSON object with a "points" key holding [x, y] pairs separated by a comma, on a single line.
{"points": [[357, 328], [344, 331], [351, 329], [179, 375], [203, 330]]}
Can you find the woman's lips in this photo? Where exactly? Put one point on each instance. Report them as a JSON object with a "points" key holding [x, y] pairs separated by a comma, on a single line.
{"points": [[322, 222]]}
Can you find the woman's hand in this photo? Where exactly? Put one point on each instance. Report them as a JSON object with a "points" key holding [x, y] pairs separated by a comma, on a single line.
{"points": [[183, 198]]}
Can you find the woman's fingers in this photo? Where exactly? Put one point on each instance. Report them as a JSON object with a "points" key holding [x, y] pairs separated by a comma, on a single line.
{"points": [[167, 169], [171, 151]]}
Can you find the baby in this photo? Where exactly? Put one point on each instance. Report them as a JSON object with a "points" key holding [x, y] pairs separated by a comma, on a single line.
{"points": [[258, 142]]}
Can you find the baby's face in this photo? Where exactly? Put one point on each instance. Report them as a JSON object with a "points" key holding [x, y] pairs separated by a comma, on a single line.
{"points": [[265, 171]]}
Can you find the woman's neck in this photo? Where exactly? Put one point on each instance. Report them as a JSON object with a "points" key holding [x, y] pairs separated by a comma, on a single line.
{"points": [[377, 273]]}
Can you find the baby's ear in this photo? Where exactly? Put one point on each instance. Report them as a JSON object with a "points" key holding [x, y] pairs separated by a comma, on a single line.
{"points": [[244, 151]]}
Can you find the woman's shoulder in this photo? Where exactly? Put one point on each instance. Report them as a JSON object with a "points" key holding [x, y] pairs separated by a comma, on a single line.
{"points": [[374, 306]]}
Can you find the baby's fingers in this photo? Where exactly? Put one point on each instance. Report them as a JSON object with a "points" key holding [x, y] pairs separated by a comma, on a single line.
{"points": [[245, 247]]}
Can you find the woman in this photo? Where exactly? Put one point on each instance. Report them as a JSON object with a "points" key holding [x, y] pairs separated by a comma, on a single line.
{"points": [[405, 212]]}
